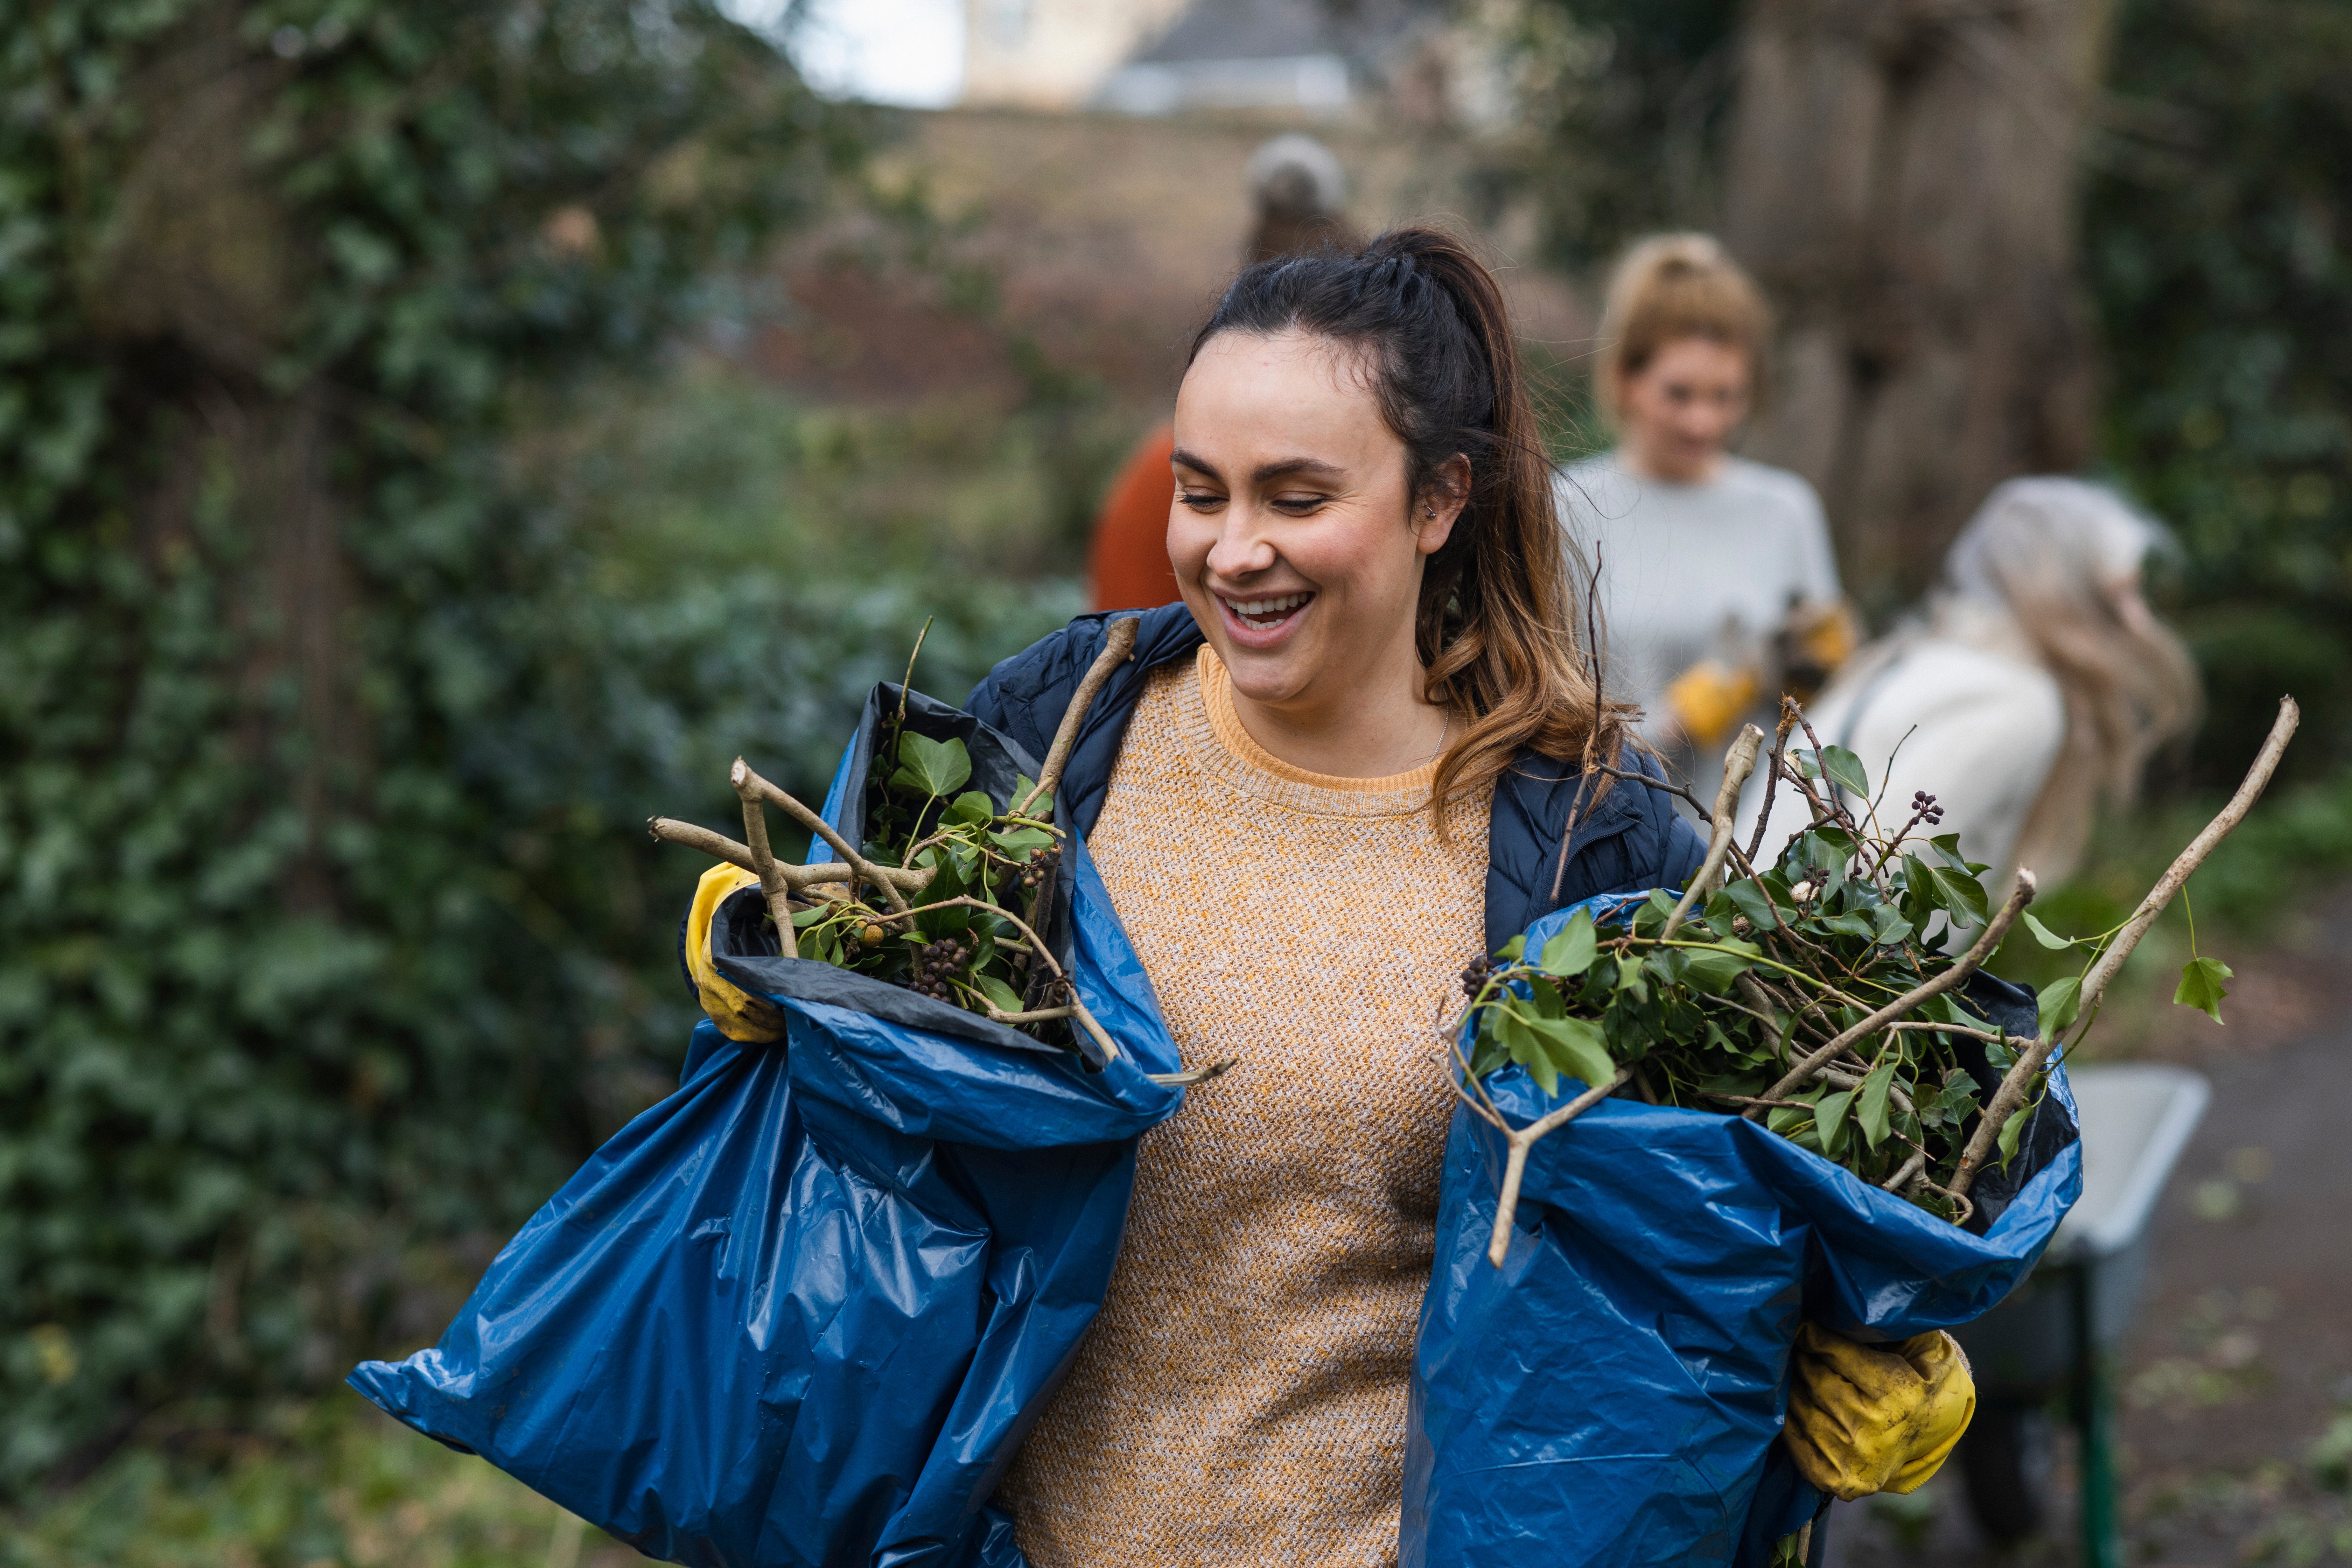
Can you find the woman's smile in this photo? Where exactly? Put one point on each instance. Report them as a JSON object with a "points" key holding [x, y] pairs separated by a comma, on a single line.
{"points": [[1262, 620]]}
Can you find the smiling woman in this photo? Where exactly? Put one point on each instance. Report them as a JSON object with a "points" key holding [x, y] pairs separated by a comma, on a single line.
{"points": [[1351, 763]]}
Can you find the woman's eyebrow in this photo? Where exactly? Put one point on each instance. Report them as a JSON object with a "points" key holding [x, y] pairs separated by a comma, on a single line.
{"points": [[1309, 467]]}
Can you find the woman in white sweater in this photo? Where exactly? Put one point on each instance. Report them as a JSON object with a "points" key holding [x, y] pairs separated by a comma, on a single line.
{"points": [[1717, 589], [2034, 682]]}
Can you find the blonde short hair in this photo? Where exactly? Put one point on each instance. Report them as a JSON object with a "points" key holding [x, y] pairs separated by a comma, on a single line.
{"points": [[1670, 287]]}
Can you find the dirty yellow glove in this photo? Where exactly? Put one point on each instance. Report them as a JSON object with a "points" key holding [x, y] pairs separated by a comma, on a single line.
{"points": [[1708, 698], [1875, 1418], [738, 1014]]}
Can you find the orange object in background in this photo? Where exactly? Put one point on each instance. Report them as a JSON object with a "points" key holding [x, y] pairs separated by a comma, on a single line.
{"points": [[1129, 562]]}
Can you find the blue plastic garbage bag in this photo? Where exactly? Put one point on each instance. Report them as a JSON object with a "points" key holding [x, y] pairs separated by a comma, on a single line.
{"points": [[804, 1309], [1610, 1396]]}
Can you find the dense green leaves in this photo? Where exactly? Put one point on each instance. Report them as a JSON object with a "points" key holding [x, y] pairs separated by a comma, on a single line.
{"points": [[973, 848], [1713, 1015], [327, 933], [2219, 250]]}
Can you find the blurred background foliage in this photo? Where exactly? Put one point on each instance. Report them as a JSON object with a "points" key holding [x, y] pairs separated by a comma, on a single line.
{"points": [[2219, 254], [376, 552]]}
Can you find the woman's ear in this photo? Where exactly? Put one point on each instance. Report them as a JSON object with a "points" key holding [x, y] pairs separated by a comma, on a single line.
{"points": [[1441, 503]]}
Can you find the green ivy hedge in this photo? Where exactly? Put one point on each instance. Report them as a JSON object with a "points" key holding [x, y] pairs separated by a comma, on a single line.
{"points": [[327, 931]]}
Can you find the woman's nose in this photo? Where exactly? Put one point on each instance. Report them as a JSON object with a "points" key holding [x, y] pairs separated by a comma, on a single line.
{"points": [[1242, 546]]}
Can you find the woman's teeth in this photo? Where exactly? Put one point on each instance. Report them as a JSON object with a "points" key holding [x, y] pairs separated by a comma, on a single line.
{"points": [[1262, 613]]}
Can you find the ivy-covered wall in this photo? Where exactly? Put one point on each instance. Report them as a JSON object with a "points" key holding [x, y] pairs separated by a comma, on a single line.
{"points": [[328, 930]]}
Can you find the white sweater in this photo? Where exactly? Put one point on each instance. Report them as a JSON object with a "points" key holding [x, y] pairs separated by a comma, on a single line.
{"points": [[1694, 571]]}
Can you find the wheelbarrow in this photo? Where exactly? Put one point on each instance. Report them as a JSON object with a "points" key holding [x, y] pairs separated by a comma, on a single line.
{"points": [[2057, 1332]]}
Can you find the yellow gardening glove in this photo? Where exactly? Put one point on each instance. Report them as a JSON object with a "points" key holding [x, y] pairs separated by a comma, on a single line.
{"points": [[1708, 698], [1875, 1418], [738, 1014], [1817, 638]]}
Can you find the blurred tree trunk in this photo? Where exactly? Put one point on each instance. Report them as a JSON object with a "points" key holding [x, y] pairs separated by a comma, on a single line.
{"points": [[1902, 178]]}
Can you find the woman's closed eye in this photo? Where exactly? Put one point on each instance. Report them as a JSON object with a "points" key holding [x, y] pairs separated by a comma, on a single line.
{"points": [[1298, 503], [1200, 501]]}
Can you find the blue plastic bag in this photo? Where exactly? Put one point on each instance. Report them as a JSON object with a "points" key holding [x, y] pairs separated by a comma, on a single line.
{"points": [[1610, 1396], [804, 1309]]}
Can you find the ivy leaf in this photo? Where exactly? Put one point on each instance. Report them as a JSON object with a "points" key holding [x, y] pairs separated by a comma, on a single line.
{"points": [[1948, 845], [1753, 899], [1526, 1048], [2201, 986], [932, 767], [1019, 843], [1021, 784], [1845, 770], [1954, 891], [1870, 1106], [1822, 844], [974, 808], [1713, 969], [1891, 927], [1575, 1046], [1512, 951], [1828, 1118], [2058, 1002], [2010, 1131], [1000, 995], [2044, 935], [1571, 952], [1807, 765]]}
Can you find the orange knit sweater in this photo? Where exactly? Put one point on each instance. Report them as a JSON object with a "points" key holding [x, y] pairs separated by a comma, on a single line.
{"points": [[1241, 1400]]}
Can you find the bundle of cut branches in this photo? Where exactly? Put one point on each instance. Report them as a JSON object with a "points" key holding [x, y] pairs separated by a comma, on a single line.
{"points": [[1810, 990], [953, 890]]}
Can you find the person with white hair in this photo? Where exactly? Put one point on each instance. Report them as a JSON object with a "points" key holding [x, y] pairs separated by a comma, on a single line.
{"points": [[2033, 683]]}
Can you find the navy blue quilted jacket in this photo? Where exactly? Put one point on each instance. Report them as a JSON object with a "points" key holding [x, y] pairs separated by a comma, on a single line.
{"points": [[1631, 841]]}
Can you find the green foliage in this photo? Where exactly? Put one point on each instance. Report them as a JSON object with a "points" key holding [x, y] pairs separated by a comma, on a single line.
{"points": [[328, 723], [2217, 249], [973, 846], [1625, 102], [296, 1485], [1768, 969]]}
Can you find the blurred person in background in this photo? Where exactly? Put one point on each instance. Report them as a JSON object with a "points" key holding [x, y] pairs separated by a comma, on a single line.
{"points": [[1297, 187], [2033, 683], [1717, 587]]}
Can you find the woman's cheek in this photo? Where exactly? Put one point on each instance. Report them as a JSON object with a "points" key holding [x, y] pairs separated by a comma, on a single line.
{"points": [[1190, 536]]}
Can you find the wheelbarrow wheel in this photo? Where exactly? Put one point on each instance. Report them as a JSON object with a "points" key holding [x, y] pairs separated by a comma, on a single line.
{"points": [[2005, 1466]]}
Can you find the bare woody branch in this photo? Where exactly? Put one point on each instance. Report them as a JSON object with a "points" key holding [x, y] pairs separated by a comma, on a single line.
{"points": [[763, 862], [718, 847], [1737, 764], [1773, 775], [1514, 1162], [2018, 1081], [745, 779], [1118, 646]]}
